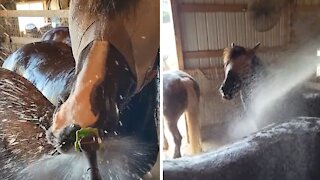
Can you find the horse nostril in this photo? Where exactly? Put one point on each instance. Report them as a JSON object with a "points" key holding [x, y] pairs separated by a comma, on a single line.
{"points": [[227, 97], [67, 137], [222, 89]]}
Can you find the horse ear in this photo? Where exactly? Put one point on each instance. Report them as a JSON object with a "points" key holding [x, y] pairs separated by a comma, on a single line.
{"points": [[256, 46], [232, 44]]}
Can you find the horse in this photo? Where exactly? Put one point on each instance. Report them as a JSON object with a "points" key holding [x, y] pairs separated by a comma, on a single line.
{"points": [[246, 74], [181, 94], [48, 65], [243, 71], [59, 34], [114, 84]]}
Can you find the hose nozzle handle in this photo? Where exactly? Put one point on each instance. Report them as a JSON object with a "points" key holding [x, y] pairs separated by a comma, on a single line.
{"points": [[88, 141]]}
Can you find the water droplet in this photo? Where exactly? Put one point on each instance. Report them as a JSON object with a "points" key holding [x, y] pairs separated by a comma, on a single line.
{"points": [[143, 37], [117, 63]]}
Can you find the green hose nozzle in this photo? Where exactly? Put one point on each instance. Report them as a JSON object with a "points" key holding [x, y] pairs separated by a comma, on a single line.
{"points": [[84, 133]]}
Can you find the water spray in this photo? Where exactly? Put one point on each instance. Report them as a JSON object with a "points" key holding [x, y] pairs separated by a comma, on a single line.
{"points": [[88, 141]]}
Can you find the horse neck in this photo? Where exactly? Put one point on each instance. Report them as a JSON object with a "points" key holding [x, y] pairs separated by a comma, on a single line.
{"points": [[251, 81]]}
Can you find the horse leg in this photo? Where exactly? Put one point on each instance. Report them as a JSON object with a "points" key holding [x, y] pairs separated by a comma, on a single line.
{"points": [[192, 118], [165, 142], [171, 125]]}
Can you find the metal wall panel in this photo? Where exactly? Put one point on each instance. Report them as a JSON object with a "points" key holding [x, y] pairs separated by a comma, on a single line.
{"points": [[216, 30]]}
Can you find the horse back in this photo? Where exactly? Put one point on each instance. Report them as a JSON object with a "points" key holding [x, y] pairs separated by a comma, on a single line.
{"points": [[175, 92], [48, 65], [59, 34]]}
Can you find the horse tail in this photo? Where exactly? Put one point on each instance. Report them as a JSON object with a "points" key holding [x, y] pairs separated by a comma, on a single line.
{"points": [[192, 115]]}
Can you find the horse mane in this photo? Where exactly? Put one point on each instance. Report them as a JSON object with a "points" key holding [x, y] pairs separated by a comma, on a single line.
{"points": [[111, 8], [232, 53], [236, 51]]}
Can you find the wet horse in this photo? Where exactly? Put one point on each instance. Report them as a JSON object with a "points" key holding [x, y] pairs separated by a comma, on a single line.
{"points": [[114, 87], [48, 65], [59, 34], [245, 74], [181, 93], [243, 71]]}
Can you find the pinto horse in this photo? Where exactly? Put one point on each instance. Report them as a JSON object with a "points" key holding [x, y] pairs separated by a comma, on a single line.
{"points": [[181, 93], [113, 84]]}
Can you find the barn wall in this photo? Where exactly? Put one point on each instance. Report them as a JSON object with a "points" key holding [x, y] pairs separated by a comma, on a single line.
{"points": [[11, 38], [213, 109], [216, 30]]}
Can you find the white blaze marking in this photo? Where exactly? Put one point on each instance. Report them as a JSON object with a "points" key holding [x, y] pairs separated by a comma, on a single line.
{"points": [[77, 108]]}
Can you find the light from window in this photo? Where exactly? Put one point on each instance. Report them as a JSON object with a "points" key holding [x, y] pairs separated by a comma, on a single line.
{"points": [[23, 21]]}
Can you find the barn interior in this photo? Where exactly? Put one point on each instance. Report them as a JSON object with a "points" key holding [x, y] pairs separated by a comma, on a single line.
{"points": [[197, 33], [25, 22]]}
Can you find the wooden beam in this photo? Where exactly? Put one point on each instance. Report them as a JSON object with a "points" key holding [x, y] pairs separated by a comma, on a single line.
{"points": [[24, 40], [177, 32], [202, 54], [219, 52], [308, 8], [209, 7], [34, 13], [212, 7]]}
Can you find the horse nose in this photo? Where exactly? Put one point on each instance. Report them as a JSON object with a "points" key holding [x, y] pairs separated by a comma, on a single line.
{"points": [[222, 89], [223, 92]]}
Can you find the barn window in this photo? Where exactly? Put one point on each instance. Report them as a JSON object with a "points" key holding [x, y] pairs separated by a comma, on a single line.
{"points": [[24, 21], [168, 46]]}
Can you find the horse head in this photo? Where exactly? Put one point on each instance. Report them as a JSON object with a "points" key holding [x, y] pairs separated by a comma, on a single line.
{"points": [[115, 46], [240, 65]]}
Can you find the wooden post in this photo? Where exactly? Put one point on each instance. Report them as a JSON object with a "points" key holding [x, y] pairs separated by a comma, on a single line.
{"points": [[177, 31]]}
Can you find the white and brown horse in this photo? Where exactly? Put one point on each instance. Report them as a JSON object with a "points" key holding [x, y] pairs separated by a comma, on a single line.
{"points": [[181, 94]]}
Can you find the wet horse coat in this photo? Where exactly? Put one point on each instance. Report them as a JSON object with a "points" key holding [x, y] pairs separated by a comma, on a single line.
{"points": [[181, 93], [49, 65]]}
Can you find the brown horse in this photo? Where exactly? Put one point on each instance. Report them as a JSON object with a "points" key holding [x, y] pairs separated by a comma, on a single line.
{"points": [[59, 34], [243, 70], [245, 73], [114, 87], [49, 65], [181, 93]]}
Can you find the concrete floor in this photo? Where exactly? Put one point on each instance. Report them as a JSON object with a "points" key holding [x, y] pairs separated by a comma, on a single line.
{"points": [[213, 137]]}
